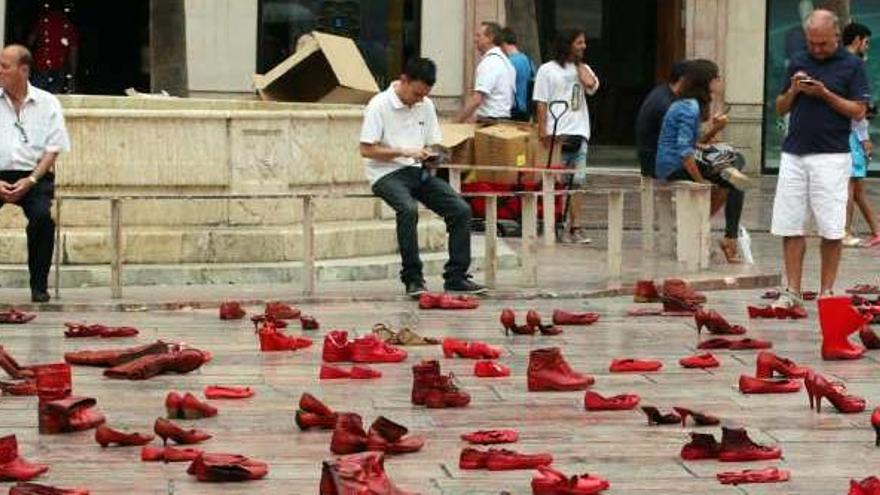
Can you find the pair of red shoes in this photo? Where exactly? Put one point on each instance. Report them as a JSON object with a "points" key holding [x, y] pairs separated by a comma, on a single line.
{"points": [[490, 437], [187, 406], [655, 417], [548, 370], [37, 489], [715, 323], [169, 454], [735, 446], [766, 365], [623, 402], [768, 475], [362, 473], [447, 301], [699, 361], [313, 413], [226, 468], [474, 349], [384, 435], [79, 330], [490, 369], [501, 459], [548, 481], [272, 339], [819, 387], [328, 372], [13, 467], [366, 349], [867, 486], [226, 392], [15, 317], [734, 344], [178, 360], [435, 390], [58, 410], [777, 312], [533, 324], [104, 436], [627, 365], [167, 430]]}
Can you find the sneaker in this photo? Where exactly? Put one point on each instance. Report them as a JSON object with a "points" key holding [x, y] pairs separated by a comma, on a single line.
{"points": [[464, 285], [577, 236], [852, 241], [40, 296], [788, 299], [736, 178], [415, 288]]}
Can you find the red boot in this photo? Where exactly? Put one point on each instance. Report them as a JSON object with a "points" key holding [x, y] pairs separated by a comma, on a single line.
{"points": [[389, 437], [768, 475], [37, 489], [675, 288], [561, 317], [225, 392], [227, 467], [622, 402], [736, 446], [68, 415], [425, 374], [646, 292], [750, 385], [715, 323], [369, 349], [105, 436], [700, 419], [838, 319], [231, 310], [705, 360], [490, 369], [166, 430], [445, 393], [548, 370], [548, 481], [702, 446], [193, 408], [13, 467], [362, 473], [349, 436], [281, 311], [337, 347], [767, 363], [490, 437], [634, 365]]}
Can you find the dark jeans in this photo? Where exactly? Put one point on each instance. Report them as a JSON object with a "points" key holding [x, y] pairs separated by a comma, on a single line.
{"points": [[735, 198], [403, 190], [647, 161], [37, 206]]}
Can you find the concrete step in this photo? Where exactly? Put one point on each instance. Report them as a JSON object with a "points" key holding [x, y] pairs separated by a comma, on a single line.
{"points": [[363, 268]]}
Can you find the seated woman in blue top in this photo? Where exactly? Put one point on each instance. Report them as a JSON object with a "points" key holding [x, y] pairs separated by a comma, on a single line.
{"points": [[683, 155]]}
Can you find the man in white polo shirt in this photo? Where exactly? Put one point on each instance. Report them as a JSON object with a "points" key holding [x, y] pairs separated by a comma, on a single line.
{"points": [[32, 134], [495, 81], [400, 124]]}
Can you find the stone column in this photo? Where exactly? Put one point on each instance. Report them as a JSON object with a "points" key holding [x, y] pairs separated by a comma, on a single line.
{"points": [[444, 43], [477, 11], [168, 47], [3, 21], [221, 46]]}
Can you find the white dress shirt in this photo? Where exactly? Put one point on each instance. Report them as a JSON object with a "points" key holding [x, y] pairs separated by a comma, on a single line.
{"points": [[496, 80], [36, 130]]}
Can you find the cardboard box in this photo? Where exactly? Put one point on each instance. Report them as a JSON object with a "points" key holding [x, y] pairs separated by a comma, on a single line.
{"points": [[502, 145], [325, 68], [458, 141]]}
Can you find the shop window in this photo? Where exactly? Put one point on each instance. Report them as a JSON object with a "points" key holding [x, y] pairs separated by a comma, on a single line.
{"points": [[386, 31]]}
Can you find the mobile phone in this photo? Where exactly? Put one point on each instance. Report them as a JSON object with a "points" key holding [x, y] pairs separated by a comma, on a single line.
{"points": [[808, 82]]}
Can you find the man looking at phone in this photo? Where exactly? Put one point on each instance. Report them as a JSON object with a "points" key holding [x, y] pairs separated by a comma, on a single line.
{"points": [[400, 125], [825, 89]]}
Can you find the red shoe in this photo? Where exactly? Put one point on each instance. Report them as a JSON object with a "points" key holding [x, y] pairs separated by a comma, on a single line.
{"points": [[701, 419], [369, 349], [655, 417], [673, 306], [702, 446], [490, 437], [818, 387], [173, 407], [715, 323], [357, 474], [445, 393], [37, 489], [223, 392], [508, 323], [337, 347], [231, 310], [258, 319], [750, 385], [105, 435], [705, 360], [548, 481], [868, 486], [644, 312], [767, 363], [166, 430], [863, 289], [646, 292], [12, 368], [747, 343], [736, 446], [193, 408], [332, 373], [715, 343], [115, 357], [679, 289], [349, 436], [281, 311], [23, 388], [271, 340], [768, 475], [309, 323], [507, 460], [548, 370], [561, 317], [869, 339], [622, 402], [364, 373], [766, 311], [447, 301], [875, 422], [79, 330], [838, 319], [469, 350], [471, 458], [490, 369], [14, 316], [68, 415], [176, 361], [227, 467], [634, 365], [307, 420], [533, 321], [425, 374], [13, 467], [389, 437], [779, 313], [169, 454]]}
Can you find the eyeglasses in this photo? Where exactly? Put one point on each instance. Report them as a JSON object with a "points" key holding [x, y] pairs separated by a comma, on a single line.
{"points": [[18, 125]]}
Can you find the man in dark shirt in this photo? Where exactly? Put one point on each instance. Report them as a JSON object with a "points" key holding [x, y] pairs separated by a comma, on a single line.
{"points": [[650, 117], [825, 89]]}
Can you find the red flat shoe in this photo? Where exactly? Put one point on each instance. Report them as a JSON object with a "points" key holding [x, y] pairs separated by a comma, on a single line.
{"points": [[702, 446], [622, 402], [370, 349], [767, 363], [193, 408], [705, 360], [751, 385], [105, 436], [715, 323], [166, 430], [231, 310], [169, 454], [548, 481], [655, 417], [748, 343], [634, 365], [469, 350], [75, 330], [447, 301], [490, 437], [173, 400], [12, 466], [506, 460], [364, 373], [768, 475], [561, 317], [281, 311], [213, 392], [736, 446], [328, 372], [309, 323], [15, 317], [701, 419], [226, 468], [37, 489], [490, 369], [644, 312]]}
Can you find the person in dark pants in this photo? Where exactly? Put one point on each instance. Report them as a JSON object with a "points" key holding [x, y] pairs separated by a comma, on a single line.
{"points": [[400, 124], [32, 134]]}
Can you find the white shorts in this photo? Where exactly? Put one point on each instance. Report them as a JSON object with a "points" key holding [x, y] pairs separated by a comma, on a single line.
{"points": [[817, 184]]}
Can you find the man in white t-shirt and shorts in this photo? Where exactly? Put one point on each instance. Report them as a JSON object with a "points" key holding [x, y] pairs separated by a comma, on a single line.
{"points": [[400, 125], [567, 78], [495, 81]]}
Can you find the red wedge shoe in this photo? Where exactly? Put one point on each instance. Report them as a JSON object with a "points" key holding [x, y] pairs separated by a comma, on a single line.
{"points": [[328, 372], [213, 392], [231, 310], [193, 408], [646, 292], [309, 323], [548, 481], [705, 360], [751, 385], [561, 317], [364, 373], [337, 347], [490, 369], [702, 446], [226, 468], [12, 466], [700, 419], [369, 349], [166, 430], [736, 446], [768, 475], [508, 323], [281, 311], [105, 436], [37, 489], [548, 370], [768, 363], [169, 454], [533, 321], [392, 438], [634, 365], [348, 436], [490, 437], [655, 417], [622, 402]]}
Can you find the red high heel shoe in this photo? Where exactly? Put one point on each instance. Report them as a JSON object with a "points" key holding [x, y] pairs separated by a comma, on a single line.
{"points": [[561, 317], [835, 393], [736, 446], [193, 408], [715, 323], [875, 422], [231, 310], [166, 430], [767, 363], [705, 360], [105, 436], [701, 419], [750, 385], [12, 466], [508, 322], [634, 365], [655, 417], [533, 321], [622, 402]]}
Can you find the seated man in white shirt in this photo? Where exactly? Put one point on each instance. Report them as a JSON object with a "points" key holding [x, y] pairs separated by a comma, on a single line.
{"points": [[495, 81], [400, 124]]}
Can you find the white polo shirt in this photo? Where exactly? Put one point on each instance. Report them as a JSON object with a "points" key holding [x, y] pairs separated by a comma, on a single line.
{"points": [[496, 79], [38, 129], [554, 82], [389, 122]]}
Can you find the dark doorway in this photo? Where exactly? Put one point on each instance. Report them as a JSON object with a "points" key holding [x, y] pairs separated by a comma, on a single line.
{"points": [[111, 37]]}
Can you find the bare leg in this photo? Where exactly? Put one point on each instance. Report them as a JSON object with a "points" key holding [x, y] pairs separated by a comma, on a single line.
{"points": [[860, 197], [830, 250], [793, 251], [574, 211], [849, 207]]}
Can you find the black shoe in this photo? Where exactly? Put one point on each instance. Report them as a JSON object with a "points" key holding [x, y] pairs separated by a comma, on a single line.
{"points": [[464, 285], [40, 296], [415, 288]]}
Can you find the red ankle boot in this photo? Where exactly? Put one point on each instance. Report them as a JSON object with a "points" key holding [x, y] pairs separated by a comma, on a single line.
{"points": [[424, 376], [622, 402], [226, 392], [676, 288], [281, 311], [490, 437], [362, 473], [548, 370], [655, 417], [533, 321], [767, 363], [768, 475], [227, 467], [349, 436], [166, 430], [68, 415], [389, 437], [193, 408], [634, 365], [646, 292], [337, 347], [369, 349], [736, 446], [231, 310], [508, 322], [490, 369], [13, 467], [705, 360], [272, 339], [702, 446], [819, 387], [105, 436], [715, 323], [548, 481], [701, 419], [875, 422], [445, 393], [37, 489], [750, 385], [561, 317], [838, 319], [869, 339]]}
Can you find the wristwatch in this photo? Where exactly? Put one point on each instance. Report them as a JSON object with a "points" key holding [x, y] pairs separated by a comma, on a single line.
{"points": [[33, 179]]}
